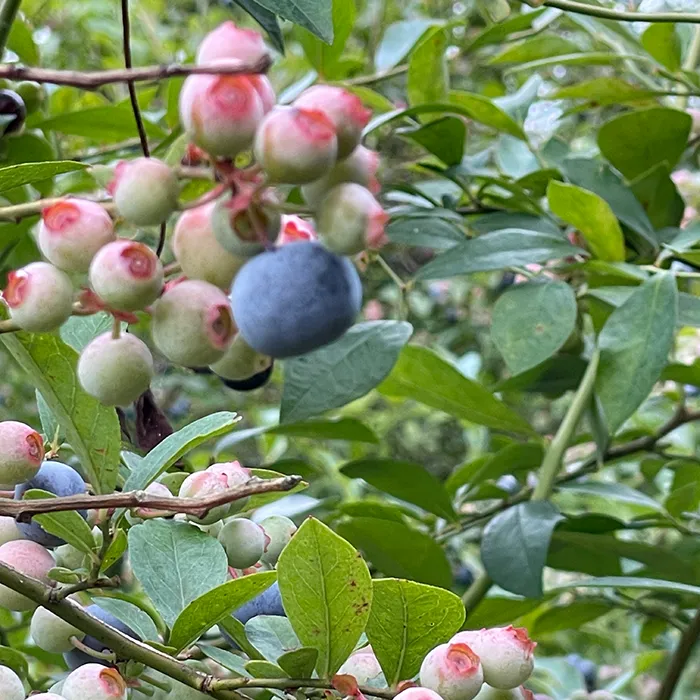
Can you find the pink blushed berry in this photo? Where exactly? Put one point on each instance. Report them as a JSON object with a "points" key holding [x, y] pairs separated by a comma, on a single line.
{"points": [[94, 682], [28, 558], [453, 671], [21, 452], [229, 41]]}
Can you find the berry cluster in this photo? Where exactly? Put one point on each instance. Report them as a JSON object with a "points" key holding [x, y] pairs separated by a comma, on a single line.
{"points": [[246, 295]]}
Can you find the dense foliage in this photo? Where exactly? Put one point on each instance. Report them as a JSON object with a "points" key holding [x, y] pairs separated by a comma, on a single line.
{"points": [[505, 432]]}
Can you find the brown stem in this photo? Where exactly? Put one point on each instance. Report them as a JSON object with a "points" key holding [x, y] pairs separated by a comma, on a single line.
{"points": [[680, 659], [24, 510], [63, 592], [289, 683], [92, 80]]}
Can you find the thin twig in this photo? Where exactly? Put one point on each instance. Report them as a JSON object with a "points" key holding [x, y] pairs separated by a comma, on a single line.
{"points": [[583, 8], [24, 510], [65, 591], [289, 683], [92, 80], [680, 659]]}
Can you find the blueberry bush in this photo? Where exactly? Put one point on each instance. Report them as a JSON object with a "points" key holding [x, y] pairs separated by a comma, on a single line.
{"points": [[349, 349]]}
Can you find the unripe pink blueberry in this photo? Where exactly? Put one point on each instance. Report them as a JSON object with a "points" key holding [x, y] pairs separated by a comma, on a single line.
{"points": [[350, 219], [94, 682], [295, 229], [360, 166], [231, 41], [417, 694], [11, 687], [116, 371], [28, 558], [235, 475], [343, 108], [200, 255], [265, 91], [192, 324], [295, 145], [506, 654], [453, 671], [47, 696], [240, 361], [21, 452], [39, 297], [244, 542], [9, 532], [154, 489], [363, 666], [126, 275], [72, 231], [221, 113], [279, 530], [488, 692], [203, 484], [51, 633], [145, 191]]}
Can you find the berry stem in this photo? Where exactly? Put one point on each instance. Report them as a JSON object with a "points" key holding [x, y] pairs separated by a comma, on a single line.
{"points": [[116, 328], [477, 591], [289, 683], [679, 659]]}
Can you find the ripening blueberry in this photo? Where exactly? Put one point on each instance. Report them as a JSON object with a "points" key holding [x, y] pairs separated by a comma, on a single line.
{"points": [[235, 475], [363, 666], [488, 692], [265, 91], [56, 478], [296, 146], [154, 489], [279, 530], [345, 110], [51, 633], [453, 671], [13, 108], [418, 694], [241, 362], [200, 255], [39, 297], [269, 602], [231, 41], [145, 191], [126, 275], [72, 231], [350, 219], [295, 299], [221, 113], [94, 682], [21, 452], [9, 532], [244, 542], [360, 166], [506, 654], [217, 479], [251, 383], [115, 371], [11, 687], [28, 558], [192, 324]]}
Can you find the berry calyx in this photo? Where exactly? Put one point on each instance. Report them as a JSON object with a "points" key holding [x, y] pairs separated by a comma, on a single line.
{"points": [[21, 452], [294, 229]]}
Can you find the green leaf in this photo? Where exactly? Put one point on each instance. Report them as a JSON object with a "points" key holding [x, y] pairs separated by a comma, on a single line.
{"points": [[266, 19], [604, 91], [115, 551], [166, 453], [684, 493], [323, 57], [535, 48], [69, 525], [399, 38], [213, 606], [264, 669], [327, 591], [272, 635], [646, 584], [569, 616], [613, 492], [314, 15], [235, 629], [78, 331], [422, 375], [112, 123], [49, 425], [443, 138], [139, 621], [30, 173], [426, 230], [592, 216], [231, 662], [428, 79], [175, 563], [532, 321], [91, 428], [15, 660], [484, 111], [406, 481], [497, 250], [342, 371], [634, 346], [21, 41], [299, 663], [398, 550], [514, 546], [407, 620], [493, 612], [663, 43], [496, 33], [637, 141], [659, 197], [339, 429]]}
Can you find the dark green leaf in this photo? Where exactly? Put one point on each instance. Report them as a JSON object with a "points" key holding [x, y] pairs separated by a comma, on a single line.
{"points": [[314, 15], [404, 480], [659, 197], [102, 123], [31, 173], [443, 138], [486, 112], [496, 33], [407, 620], [322, 56], [115, 551], [515, 543], [613, 492], [422, 375], [299, 663], [399, 38], [570, 616], [425, 230], [493, 612], [342, 371], [266, 19], [130, 615], [604, 91], [646, 584], [428, 80], [541, 46], [272, 635], [349, 429]]}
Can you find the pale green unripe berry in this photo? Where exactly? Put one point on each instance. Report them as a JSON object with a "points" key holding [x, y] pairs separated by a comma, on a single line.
{"points": [[51, 633], [279, 530], [11, 687], [94, 682], [244, 542], [145, 191], [240, 361], [350, 219], [364, 667], [126, 275], [9, 530], [116, 371], [39, 297], [488, 692], [71, 557], [21, 453], [601, 695], [192, 324], [453, 671], [28, 558]]}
